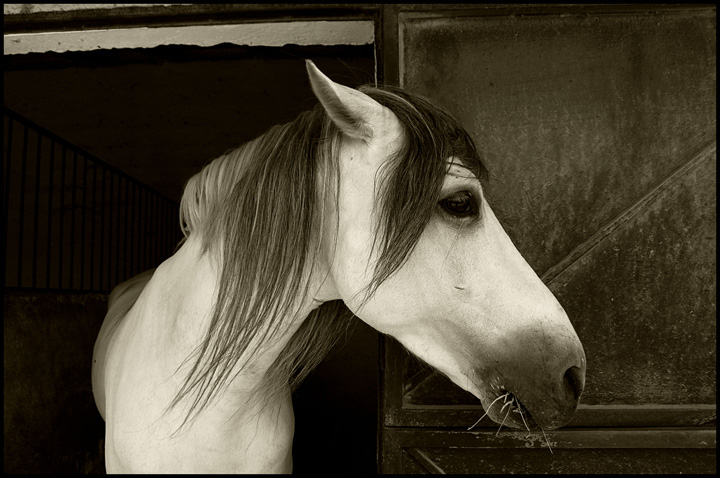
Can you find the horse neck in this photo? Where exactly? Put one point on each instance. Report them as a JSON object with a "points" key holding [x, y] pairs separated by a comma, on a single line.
{"points": [[185, 287]]}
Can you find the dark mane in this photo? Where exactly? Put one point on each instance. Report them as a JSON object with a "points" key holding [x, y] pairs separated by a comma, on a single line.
{"points": [[239, 205], [410, 183]]}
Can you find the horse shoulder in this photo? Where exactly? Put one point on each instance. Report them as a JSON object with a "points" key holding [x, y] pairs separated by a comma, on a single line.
{"points": [[213, 443], [121, 300], [133, 390]]}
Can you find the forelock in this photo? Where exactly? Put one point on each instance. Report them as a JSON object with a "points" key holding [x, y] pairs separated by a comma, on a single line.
{"points": [[410, 181]]}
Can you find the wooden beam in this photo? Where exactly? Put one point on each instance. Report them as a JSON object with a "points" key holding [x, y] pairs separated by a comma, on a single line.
{"points": [[273, 34]]}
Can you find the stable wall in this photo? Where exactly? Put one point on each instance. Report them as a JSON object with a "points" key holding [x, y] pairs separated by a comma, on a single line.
{"points": [[51, 424], [159, 115]]}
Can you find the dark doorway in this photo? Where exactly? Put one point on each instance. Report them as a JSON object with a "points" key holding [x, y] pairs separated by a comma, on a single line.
{"points": [[159, 115]]}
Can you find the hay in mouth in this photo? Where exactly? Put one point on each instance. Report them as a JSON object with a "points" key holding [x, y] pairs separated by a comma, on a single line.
{"points": [[513, 404]]}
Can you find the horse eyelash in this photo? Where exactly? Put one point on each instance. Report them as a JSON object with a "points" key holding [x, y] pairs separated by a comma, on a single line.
{"points": [[463, 219]]}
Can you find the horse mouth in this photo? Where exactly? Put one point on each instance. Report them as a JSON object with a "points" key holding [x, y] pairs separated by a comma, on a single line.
{"points": [[516, 408], [507, 409]]}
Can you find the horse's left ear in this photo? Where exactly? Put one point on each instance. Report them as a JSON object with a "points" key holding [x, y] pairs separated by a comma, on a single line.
{"points": [[353, 112]]}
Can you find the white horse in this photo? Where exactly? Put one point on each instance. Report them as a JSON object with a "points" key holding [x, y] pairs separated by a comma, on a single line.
{"points": [[371, 202]]}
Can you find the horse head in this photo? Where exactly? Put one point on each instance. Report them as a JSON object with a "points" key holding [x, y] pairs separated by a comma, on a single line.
{"points": [[417, 253]]}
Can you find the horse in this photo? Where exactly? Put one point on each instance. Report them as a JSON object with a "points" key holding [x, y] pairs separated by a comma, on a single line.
{"points": [[370, 204]]}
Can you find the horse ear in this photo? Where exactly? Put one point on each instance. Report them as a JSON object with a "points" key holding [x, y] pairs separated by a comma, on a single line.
{"points": [[352, 111]]}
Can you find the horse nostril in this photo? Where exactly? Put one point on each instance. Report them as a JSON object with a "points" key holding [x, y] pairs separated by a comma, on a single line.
{"points": [[574, 381]]}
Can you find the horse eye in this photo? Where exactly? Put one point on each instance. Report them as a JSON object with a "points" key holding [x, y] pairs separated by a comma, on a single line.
{"points": [[460, 205]]}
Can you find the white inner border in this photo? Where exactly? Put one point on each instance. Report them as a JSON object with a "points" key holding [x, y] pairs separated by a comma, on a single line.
{"points": [[360, 32]]}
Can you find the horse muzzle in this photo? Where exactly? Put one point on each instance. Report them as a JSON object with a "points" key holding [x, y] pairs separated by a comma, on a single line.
{"points": [[534, 384]]}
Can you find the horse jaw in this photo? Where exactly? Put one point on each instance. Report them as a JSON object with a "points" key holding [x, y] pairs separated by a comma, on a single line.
{"points": [[469, 305], [472, 307]]}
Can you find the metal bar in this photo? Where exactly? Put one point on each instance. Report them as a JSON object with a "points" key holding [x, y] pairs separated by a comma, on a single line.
{"points": [[156, 230], [174, 227], [128, 232], [133, 232], [49, 134], [150, 233], [150, 15], [140, 216], [72, 221], [119, 234], [23, 172], [151, 249], [92, 228], [82, 227], [110, 231], [36, 213], [161, 226], [425, 461], [168, 242], [138, 233], [171, 224], [102, 229], [161, 230], [171, 234], [50, 215], [166, 230], [62, 217], [137, 236], [706, 152], [141, 230], [127, 216], [389, 45], [6, 211], [141, 239], [117, 249], [8, 162], [146, 236]]}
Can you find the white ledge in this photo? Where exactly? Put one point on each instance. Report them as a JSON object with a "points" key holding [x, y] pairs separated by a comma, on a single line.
{"points": [[275, 34]]}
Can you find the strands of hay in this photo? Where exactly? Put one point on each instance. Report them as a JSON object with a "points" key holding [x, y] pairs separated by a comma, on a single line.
{"points": [[493, 403], [546, 440], [518, 409]]}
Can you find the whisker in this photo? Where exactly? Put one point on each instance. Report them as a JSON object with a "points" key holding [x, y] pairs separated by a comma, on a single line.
{"points": [[506, 404], [522, 415], [486, 412], [506, 415], [546, 440]]}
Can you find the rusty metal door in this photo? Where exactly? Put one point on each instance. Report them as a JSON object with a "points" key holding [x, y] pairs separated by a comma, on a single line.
{"points": [[598, 126]]}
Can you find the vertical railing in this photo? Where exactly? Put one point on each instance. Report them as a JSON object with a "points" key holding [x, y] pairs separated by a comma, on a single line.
{"points": [[73, 222]]}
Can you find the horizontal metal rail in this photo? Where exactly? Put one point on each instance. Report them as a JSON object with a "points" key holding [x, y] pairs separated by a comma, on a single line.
{"points": [[72, 221]]}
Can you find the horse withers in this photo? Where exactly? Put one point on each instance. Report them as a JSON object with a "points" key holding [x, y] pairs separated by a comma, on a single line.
{"points": [[370, 204]]}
